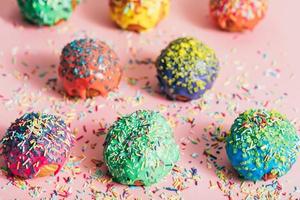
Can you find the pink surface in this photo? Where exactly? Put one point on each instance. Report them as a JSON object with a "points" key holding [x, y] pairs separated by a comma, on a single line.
{"points": [[258, 69]]}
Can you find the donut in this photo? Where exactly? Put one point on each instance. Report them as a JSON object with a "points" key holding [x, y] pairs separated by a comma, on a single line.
{"points": [[262, 144], [138, 15], [238, 15], [47, 12], [36, 145], [89, 68], [186, 69], [140, 149]]}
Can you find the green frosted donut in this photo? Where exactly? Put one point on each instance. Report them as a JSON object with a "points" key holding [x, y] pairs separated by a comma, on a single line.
{"points": [[140, 149], [47, 12]]}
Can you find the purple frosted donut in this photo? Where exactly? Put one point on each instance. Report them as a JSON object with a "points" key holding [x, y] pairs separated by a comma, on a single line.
{"points": [[186, 69]]}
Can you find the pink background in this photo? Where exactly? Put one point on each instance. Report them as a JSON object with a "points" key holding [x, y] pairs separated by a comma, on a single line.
{"points": [[258, 69]]}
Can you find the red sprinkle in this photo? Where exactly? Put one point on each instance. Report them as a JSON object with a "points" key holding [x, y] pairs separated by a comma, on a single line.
{"points": [[79, 138]]}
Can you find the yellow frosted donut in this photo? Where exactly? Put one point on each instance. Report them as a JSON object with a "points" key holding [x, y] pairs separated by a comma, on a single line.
{"points": [[138, 15]]}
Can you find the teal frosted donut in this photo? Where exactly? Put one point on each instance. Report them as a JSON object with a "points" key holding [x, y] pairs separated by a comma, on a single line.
{"points": [[140, 149], [47, 12], [262, 145]]}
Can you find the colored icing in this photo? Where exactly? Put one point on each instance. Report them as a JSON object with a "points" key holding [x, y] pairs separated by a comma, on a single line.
{"points": [[262, 144], [186, 69], [138, 15], [238, 15], [47, 12], [36, 144], [89, 68], [140, 149]]}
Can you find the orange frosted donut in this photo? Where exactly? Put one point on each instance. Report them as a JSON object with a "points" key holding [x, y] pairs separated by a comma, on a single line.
{"points": [[89, 68], [238, 15]]}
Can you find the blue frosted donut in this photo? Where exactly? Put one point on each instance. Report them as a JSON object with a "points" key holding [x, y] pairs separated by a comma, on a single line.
{"points": [[262, 145], [186, 69]]}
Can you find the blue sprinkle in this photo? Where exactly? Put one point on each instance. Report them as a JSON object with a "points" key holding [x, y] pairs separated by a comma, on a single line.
{"points": [[171, 189], [100, 59], [194, 171]]}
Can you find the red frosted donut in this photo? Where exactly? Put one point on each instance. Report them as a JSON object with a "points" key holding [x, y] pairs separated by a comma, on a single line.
{"points": [[89, 68]]}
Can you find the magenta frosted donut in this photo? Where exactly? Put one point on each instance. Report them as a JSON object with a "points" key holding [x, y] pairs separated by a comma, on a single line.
{"points": [[36, 145]]}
